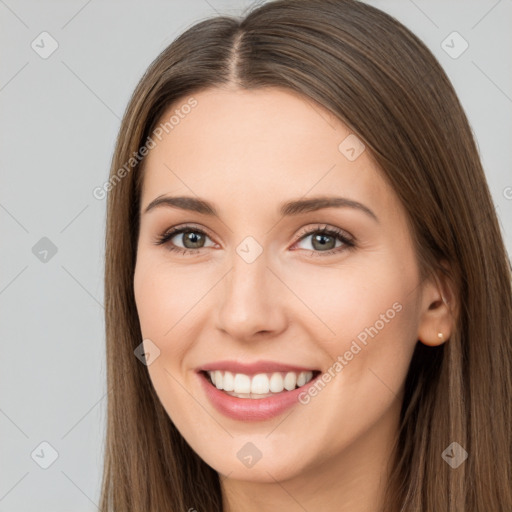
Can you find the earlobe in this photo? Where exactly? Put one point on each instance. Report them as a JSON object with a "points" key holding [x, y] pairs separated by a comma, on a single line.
{"points": [[433, 341], [437, 318]]}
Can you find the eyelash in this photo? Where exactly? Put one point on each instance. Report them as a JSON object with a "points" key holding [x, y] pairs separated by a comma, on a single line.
{"points": [[349, 243]]}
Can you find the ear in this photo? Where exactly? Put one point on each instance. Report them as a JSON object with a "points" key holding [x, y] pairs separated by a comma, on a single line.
{"points": [[438, 309]]}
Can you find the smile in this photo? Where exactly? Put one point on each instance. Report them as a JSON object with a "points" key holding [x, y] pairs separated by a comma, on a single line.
{"points": [[258, 386], [263, 403]]}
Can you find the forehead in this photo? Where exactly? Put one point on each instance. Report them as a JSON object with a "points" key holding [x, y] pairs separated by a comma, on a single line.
{"points": [[252, 147]]}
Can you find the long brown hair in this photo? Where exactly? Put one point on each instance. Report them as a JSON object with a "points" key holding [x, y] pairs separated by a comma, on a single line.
{"points": [[386, 86]]}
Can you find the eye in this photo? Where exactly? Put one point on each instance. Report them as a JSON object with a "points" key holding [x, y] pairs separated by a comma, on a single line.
{"points": [[324, 239], [191, 237], [323, 242]]}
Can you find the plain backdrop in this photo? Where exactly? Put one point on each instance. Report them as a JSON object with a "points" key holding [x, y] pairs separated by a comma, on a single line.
{"points": [[60, 114]]}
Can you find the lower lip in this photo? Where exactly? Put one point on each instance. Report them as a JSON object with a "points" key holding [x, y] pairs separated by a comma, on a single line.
{"points": [[248, 409]]}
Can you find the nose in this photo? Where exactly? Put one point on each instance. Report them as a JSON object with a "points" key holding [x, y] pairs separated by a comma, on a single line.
{"points": [[251, 301]]}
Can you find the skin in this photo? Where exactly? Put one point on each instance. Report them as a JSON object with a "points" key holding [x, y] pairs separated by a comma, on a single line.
{"points": [[247, 152]]}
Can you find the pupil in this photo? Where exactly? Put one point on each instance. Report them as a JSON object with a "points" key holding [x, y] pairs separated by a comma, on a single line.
{"points": [[194, 238], [321, 240]]}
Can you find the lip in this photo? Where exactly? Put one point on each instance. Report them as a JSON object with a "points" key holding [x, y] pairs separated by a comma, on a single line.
{"points": [[253, 368], [248, 409]]}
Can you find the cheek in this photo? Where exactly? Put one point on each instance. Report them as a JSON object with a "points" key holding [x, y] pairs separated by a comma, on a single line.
{"points": [[165, 296], [352, 295], [364, 314], [371, 310]]}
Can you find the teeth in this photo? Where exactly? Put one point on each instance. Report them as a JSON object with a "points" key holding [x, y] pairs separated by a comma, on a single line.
{"points": [[228, 382], [242, 383], [259, 385], [276, 383]]}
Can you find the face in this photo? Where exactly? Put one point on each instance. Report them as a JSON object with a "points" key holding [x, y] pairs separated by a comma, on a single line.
{"points": [[329, 289]]}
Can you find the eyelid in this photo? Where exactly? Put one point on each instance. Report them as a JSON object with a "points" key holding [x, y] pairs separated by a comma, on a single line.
{"points": [[322, 227], [173, 231], [348, 241]]}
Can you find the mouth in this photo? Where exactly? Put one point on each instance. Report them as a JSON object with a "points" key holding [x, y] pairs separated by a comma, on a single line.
{"points": [[258, 386]]}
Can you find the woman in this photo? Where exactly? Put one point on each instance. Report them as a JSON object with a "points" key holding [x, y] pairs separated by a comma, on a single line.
{"points": [[308, 299]]}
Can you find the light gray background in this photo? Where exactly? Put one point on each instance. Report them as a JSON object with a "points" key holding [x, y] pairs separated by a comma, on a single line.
{"points": [[59, 120]]}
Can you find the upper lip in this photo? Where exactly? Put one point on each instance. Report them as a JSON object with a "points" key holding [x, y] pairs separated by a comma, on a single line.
{"points": [[253, 368]]}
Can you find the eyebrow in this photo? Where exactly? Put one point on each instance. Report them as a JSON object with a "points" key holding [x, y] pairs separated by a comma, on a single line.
{"points": [[289, 208]]}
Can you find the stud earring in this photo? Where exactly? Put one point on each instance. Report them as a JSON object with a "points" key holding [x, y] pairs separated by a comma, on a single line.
{"points": [[440, 335]]}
